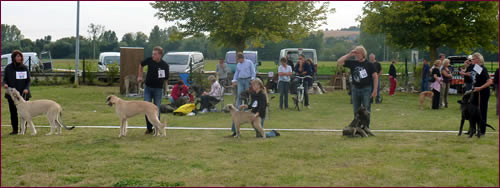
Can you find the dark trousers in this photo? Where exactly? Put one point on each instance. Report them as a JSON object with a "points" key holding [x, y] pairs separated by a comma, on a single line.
{"points": [[14, 119], [206, 101], [483, 96], [435, 99], [283, 87]]}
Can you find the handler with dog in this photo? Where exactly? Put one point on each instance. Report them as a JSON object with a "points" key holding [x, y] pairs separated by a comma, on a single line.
{"points": [[16, 76], [156, 76], [481, 87], [363, 76]]}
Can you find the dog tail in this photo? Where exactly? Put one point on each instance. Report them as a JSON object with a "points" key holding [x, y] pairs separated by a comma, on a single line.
{"points": [[59, 121], [487, 125]]}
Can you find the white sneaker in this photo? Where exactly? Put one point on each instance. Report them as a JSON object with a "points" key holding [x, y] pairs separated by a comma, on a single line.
{"points": [[204, 111], [213, 110], [191, 114]]}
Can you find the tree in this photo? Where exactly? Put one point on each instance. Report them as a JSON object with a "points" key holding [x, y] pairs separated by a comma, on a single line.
{"points": [[95, 31], [424, 24], [10, 33], [108, 42], [233, 24], [42, 44], [27, 45]]}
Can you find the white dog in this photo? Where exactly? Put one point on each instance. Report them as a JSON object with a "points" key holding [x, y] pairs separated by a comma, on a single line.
{"points": [[29, 109], [127, 109]]}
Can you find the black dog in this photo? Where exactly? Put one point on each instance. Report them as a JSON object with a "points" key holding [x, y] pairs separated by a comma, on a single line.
{"points": [[471, 112], [358, 126]]}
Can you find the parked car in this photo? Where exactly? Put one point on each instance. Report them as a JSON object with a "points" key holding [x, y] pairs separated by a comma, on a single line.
{"points": [[182, 62], [30, 57], [107, 58], [293, 54], [250, 55]]}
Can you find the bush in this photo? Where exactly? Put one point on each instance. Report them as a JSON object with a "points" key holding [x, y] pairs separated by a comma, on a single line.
{"points": [[112, 72], [90, 75]]}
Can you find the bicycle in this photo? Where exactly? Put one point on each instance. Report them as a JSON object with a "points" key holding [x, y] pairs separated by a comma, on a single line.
{"points": [[299, 101]]}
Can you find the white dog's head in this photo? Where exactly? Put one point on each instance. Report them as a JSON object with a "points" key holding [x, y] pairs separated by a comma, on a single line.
{"points": [[14, 94], [229, 108], [110, 100]]}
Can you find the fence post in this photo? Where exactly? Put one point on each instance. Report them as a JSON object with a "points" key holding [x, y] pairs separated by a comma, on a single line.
{"points": [[83, 73], [29, 62], [406, 71]]}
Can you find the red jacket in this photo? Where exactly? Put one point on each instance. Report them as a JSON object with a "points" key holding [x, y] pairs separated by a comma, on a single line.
{"points": [[179, 92]]}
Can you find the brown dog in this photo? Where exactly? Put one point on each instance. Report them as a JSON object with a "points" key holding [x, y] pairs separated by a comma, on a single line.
{"points": [[422, 97], [240, 117], [127, 109]]}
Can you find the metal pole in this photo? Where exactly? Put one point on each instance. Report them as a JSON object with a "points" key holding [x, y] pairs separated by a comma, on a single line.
{"points": [[29, 63], [406, 70], [77, 44]]}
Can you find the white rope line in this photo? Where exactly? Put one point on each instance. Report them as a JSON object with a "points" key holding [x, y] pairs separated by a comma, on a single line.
{"points": [[251, 129]]}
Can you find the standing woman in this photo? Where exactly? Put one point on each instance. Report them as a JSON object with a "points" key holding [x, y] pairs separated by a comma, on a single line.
{"points": [[284, 73], [16, 76], [392, 78], [436, 84], [445, 87], [481, 87]]}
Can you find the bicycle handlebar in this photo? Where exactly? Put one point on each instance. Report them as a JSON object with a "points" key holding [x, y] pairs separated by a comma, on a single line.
{"points": [[302, 77]]}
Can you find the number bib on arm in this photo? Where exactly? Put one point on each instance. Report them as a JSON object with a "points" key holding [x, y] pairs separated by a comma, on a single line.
{"points": [[21, 75]]}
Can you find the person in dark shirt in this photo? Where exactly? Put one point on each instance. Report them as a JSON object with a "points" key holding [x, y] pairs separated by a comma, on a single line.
{"points": [[157, 75], [495, 81], [392, 78], [16, 76], [466, 73], [436, 84], [378, 69], [363, 76], [258, 106], [481, 87], [304, 69], [425, 77]]}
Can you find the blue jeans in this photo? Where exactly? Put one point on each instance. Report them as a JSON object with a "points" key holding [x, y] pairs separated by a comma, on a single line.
{"points": [[268, 134], [361, 96], [243, 84], [283, 87], [151, 94], [424, 86]]}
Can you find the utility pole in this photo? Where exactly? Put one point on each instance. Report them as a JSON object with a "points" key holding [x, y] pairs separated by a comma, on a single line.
{"points": [[77, 44]]}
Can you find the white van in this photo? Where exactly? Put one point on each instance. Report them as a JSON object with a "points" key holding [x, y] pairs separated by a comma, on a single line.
{"points": [[180, 62], [106, 58], [293, 54], [36, 65]]}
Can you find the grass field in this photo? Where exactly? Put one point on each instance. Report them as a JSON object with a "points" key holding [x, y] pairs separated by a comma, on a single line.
{"points": [[324, 67], [97, 157]]}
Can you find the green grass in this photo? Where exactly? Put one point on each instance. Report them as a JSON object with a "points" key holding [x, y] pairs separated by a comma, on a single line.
{"points": [[97, 157]]}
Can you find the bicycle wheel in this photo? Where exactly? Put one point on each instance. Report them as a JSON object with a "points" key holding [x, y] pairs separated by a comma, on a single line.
{"points": [[301, 101], [299, 98]]}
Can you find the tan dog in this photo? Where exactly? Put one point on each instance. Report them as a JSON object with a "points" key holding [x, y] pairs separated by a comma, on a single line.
{"points": [[29, 109], [244, 117], [422, 97], [127, 109]]}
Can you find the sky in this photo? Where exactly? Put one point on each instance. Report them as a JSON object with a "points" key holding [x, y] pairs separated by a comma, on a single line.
{"points": [[58, 19]]}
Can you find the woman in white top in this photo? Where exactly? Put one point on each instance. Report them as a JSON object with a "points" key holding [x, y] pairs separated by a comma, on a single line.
{"points": [[214, 95], [284, 73]]}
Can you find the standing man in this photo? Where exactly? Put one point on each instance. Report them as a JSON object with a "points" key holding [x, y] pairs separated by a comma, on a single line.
{"points": [[378, 69], [425, 76], [156, 76], [244, 73], [222, 70], [363, 75], [16, 76], [392, 78]]}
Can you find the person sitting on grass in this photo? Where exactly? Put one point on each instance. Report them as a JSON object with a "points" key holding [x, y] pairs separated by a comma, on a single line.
{"points": [[258, 107], [214, 95], [180, 91]]}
